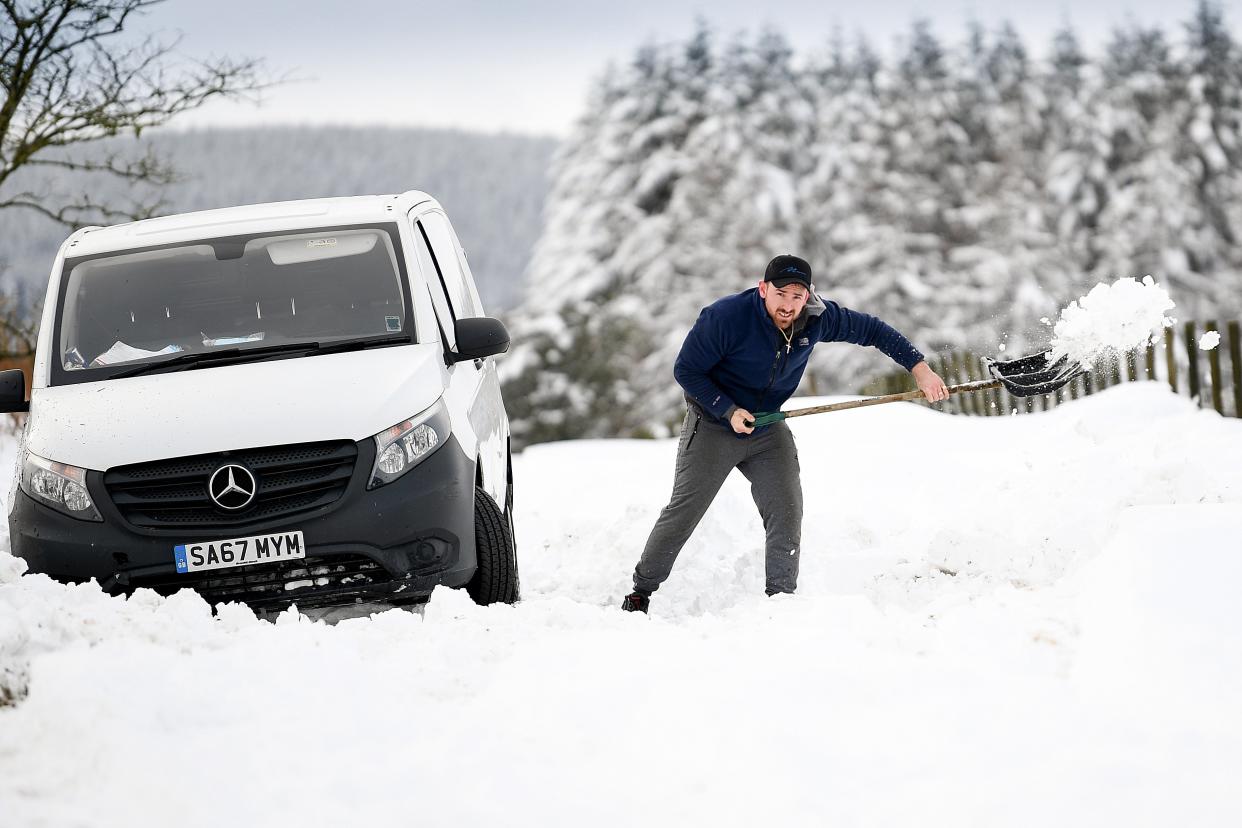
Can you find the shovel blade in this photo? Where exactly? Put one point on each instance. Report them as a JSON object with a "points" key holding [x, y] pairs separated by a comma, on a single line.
{"points": [[1033, 375]]}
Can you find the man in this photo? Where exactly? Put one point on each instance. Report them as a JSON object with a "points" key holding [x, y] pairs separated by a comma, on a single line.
{"points": [[746, 353]]}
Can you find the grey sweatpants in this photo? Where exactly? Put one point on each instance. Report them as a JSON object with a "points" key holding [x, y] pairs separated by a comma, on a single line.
{"points": [[706, 454]]}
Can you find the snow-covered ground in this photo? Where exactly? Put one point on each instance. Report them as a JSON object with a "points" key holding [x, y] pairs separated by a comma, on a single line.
{"points": [[1024, 620]]}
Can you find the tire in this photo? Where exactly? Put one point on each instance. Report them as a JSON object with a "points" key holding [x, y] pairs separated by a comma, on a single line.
{"points": [[496, 580]]}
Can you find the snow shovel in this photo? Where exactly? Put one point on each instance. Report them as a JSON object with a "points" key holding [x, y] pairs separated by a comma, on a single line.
{"points": [[1026, 376]]}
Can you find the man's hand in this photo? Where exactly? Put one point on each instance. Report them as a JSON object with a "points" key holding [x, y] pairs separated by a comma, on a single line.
{"points": [[930, 383], [739, 419]]}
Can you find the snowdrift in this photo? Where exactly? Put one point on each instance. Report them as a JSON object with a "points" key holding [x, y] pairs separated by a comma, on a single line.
{"points": [[1022, 621]]}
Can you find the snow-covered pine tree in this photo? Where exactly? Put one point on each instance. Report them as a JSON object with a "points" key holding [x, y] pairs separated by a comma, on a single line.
{"points": [[1151, 220], [602, 275], [1208, 118], [1011, 272], [894, 260], [1073, 156], [776, 121], [853, 228]]}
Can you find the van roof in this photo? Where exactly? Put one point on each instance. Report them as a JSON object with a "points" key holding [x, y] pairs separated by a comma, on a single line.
{"points": [[250, 218]]}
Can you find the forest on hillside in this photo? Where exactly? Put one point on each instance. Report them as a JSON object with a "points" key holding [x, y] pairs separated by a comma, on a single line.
{"points": [[492, 185]]}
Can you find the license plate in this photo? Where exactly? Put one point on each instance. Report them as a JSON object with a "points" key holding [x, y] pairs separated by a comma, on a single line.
{"points": [[195, 557]]}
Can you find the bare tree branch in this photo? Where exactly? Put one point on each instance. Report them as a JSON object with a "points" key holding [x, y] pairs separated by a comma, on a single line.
{"points": [[149, 169], [69, 81], [84, 211]]}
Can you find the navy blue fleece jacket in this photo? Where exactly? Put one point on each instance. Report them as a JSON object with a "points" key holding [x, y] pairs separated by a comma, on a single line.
{"points": [[735, 356]]}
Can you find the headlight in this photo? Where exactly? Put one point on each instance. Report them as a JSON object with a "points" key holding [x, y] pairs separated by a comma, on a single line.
{"points": [[59, 485], [405, 445]]}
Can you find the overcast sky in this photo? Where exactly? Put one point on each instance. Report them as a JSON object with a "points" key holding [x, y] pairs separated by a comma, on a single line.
{"points": [[526, 65]]}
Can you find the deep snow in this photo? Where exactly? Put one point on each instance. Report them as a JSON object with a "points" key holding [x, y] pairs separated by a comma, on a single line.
{"points": [[1001, 621]]}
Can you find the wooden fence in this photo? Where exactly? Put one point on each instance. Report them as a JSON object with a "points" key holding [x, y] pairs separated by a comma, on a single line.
{"points": [[1212, 378]]}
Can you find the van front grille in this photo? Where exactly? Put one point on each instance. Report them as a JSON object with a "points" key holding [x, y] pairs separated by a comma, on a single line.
{"points": [[307, 582], [288, 479]]}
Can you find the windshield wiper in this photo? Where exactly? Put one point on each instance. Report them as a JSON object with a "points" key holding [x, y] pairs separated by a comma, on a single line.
{"points": [[360, 344], [176, 363], [206, 359]]}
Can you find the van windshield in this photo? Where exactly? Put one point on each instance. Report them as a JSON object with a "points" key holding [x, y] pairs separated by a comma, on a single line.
{"points": [[240, 293]]}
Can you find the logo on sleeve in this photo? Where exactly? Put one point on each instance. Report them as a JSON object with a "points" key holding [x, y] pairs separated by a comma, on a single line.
{"points": [[803, 342]]}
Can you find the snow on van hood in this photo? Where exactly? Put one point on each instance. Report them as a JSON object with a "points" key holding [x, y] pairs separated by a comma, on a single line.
{"points": [[98, 425]]}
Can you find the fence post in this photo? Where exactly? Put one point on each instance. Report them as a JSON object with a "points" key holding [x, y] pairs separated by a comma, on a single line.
{"points": [[1170, 357], [1235, 362], [1131, 366], [1213, 356], [981, 373], [978, 371], [997, 400], [1192, 370], [972, 374], [1151, 361], [955, 363]]}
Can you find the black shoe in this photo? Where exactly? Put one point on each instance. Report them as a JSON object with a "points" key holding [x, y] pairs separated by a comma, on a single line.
{"points": [[636, 602]]}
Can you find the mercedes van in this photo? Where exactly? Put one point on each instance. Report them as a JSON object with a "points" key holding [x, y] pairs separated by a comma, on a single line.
{"points": [[291, 403]]}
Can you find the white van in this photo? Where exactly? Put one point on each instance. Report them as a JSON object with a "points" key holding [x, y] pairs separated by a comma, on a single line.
{"points": [[274, 404]]}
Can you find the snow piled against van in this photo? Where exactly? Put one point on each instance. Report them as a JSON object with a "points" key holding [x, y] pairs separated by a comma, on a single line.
{"points": [[1023, 620]]}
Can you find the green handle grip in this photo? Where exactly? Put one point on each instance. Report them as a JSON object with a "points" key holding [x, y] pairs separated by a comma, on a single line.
{"points": [[765, 418]]}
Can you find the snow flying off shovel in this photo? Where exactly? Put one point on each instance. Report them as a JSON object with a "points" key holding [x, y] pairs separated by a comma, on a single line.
{"points": [[1024, 377]]}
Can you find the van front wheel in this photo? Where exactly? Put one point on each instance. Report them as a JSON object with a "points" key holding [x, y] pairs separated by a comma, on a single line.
{"points": [[496, 579]]}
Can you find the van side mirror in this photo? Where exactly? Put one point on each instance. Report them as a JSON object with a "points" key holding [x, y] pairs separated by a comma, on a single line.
{"points": [[480, 337], [13, 391]]}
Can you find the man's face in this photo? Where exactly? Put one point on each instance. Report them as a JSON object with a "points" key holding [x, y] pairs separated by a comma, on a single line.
{"points": [[784, 304]]}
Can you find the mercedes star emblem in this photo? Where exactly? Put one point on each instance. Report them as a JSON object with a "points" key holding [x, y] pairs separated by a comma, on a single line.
{"points": [[232, 487]]}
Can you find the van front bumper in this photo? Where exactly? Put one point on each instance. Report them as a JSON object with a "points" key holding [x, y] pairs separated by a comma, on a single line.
{"points": [[394, 543]]}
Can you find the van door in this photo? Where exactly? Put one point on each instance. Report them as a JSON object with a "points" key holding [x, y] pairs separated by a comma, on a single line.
{"points": [[473, 391]]}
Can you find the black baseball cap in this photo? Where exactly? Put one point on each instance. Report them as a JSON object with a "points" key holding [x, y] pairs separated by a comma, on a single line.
{"points": [[786, 270]]}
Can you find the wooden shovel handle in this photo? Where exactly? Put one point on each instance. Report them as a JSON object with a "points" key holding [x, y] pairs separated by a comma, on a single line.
{"points": [[981, 385]]}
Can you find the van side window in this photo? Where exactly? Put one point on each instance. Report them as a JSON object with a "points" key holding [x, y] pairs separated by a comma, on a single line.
{"points": [[444, 248], [435, 285]]}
